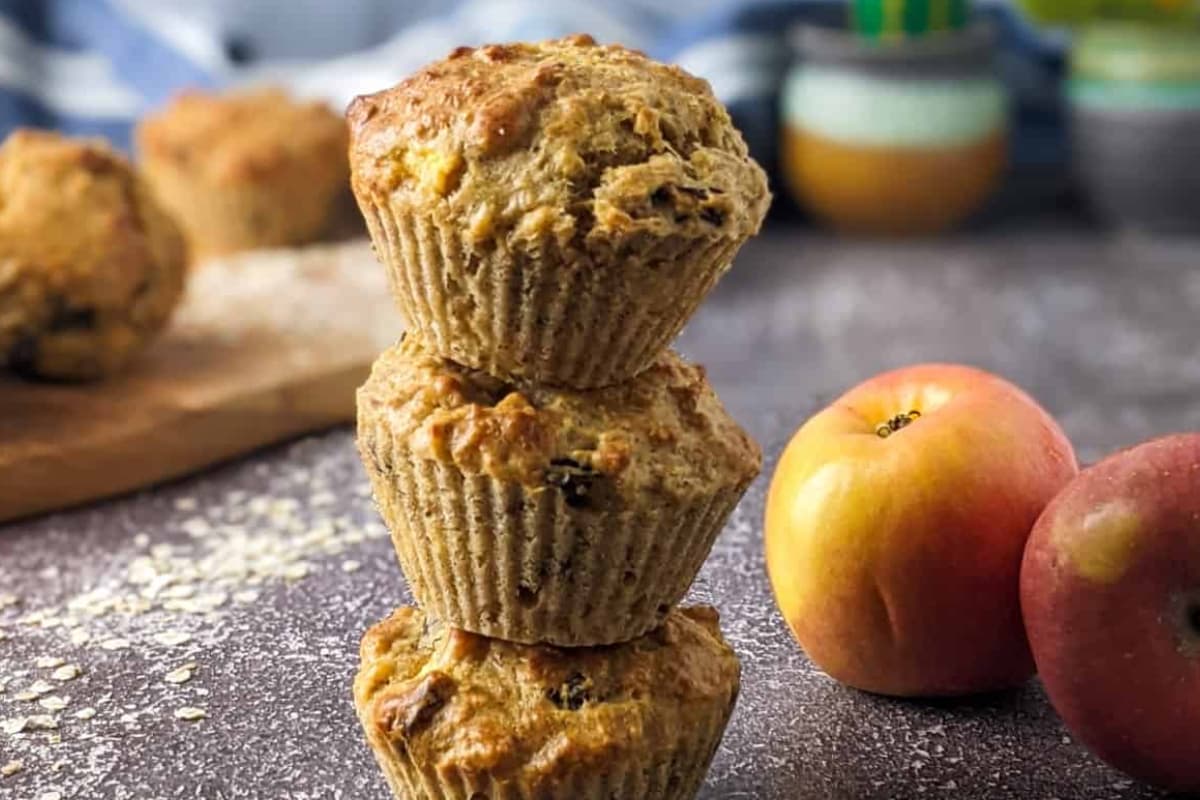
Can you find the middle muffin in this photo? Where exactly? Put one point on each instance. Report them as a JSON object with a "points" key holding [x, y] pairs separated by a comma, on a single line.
{"points": [[535, 514]]}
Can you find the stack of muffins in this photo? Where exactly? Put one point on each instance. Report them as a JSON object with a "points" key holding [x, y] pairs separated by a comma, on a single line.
{"points": [[553, 476]]}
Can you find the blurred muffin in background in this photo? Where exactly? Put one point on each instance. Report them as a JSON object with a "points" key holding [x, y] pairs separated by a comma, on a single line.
{"points": [[91, 267], [248, 170]]}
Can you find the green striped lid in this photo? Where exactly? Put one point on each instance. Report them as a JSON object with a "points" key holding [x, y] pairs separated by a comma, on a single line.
{"points": [[1078, 12], [898, 18]]}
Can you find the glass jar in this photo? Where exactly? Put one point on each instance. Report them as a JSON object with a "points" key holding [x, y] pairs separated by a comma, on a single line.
{"points": [[893, 137], [1134, 95]]}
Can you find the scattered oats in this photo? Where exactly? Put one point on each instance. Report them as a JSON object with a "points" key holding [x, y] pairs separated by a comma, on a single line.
{"points": [[11, 768], [3, 635], [354, 537], [49, 662], [247, 596], [294, 572], [172, 638], [41, 722], [50, 795], [85, 713], [26, 695], [67, 672], [322, 499], [181, 675], [156, 585], [180, 591], [54, 702], [128, 718], [190, 713], [37, 689], [115, 644], [141, 540], [375, 530], [80, 637], [210, 602], [15, 725], [185, 504], [196, 527], [351, 566]]}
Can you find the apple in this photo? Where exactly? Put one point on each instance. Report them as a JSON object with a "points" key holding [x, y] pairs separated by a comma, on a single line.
{"points": [[895, 525], [1110, 589]]}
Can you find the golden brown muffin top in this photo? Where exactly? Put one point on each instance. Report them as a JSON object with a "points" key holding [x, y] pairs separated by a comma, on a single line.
{"points": [[81, 239], [663, 430], [245, 136], [593, 146], [535, 712]]}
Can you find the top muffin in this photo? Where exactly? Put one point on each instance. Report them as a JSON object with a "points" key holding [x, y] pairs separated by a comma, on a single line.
{"points": [[534, 199], [565, 139], [248, 169]]}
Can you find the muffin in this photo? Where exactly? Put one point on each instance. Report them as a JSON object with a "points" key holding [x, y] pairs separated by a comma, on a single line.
{"points": [[248, 169], [552, 212], [91, 267], [573, 517], [455, 716]]}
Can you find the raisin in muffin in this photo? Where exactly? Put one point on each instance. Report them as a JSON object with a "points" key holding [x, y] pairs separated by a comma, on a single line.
{"points": [[455, 716], [249, 169], [90, 266], [574, 517], [554, 211]]}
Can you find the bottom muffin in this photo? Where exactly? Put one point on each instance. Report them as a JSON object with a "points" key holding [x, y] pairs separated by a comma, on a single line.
{"points": [[451, 715]]}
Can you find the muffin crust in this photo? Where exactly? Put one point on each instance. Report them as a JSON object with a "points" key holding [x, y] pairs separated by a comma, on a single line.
{"points": [[664, 431], [90, 265], [597, 148], [536, 715]]}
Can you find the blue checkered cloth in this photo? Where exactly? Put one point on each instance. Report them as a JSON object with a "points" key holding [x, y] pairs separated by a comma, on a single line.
{"points": [[93, 67]]}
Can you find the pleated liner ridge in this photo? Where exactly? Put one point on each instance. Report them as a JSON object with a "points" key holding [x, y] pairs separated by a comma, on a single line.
{"points": [[506, 561], [662, 770], [540, 316]]}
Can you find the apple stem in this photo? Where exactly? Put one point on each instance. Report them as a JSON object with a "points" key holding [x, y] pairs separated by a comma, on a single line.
{"points": [[886, 429]]}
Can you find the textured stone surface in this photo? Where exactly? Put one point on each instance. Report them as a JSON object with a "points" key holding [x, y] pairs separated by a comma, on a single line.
{"points": [[1104, 333]]}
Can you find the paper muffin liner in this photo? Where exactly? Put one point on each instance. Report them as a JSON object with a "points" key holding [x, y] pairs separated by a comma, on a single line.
{"points": [[673, 769], [540, 316], [517, 563]]}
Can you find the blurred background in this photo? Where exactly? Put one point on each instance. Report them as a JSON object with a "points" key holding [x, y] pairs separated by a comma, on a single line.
{"points": [[1009, 183], [986, 90]]}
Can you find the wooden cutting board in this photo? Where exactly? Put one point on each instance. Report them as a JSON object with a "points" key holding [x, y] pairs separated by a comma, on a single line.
{"points": [[265, 346]]}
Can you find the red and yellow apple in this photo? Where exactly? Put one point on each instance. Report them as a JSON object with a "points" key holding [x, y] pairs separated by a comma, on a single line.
{"points": [[1110, 588], [896, 522]]}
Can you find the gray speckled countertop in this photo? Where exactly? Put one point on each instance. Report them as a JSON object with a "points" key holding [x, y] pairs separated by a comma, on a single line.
{"points": [[283, 567]]}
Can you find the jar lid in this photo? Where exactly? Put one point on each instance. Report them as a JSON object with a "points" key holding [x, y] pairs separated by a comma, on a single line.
{"points": [[948, 54], [1136, 53], [1080, 12]]}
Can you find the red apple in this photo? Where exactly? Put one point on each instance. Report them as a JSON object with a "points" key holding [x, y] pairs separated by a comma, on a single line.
{"points": [[895, 526], [1110, 590]]}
